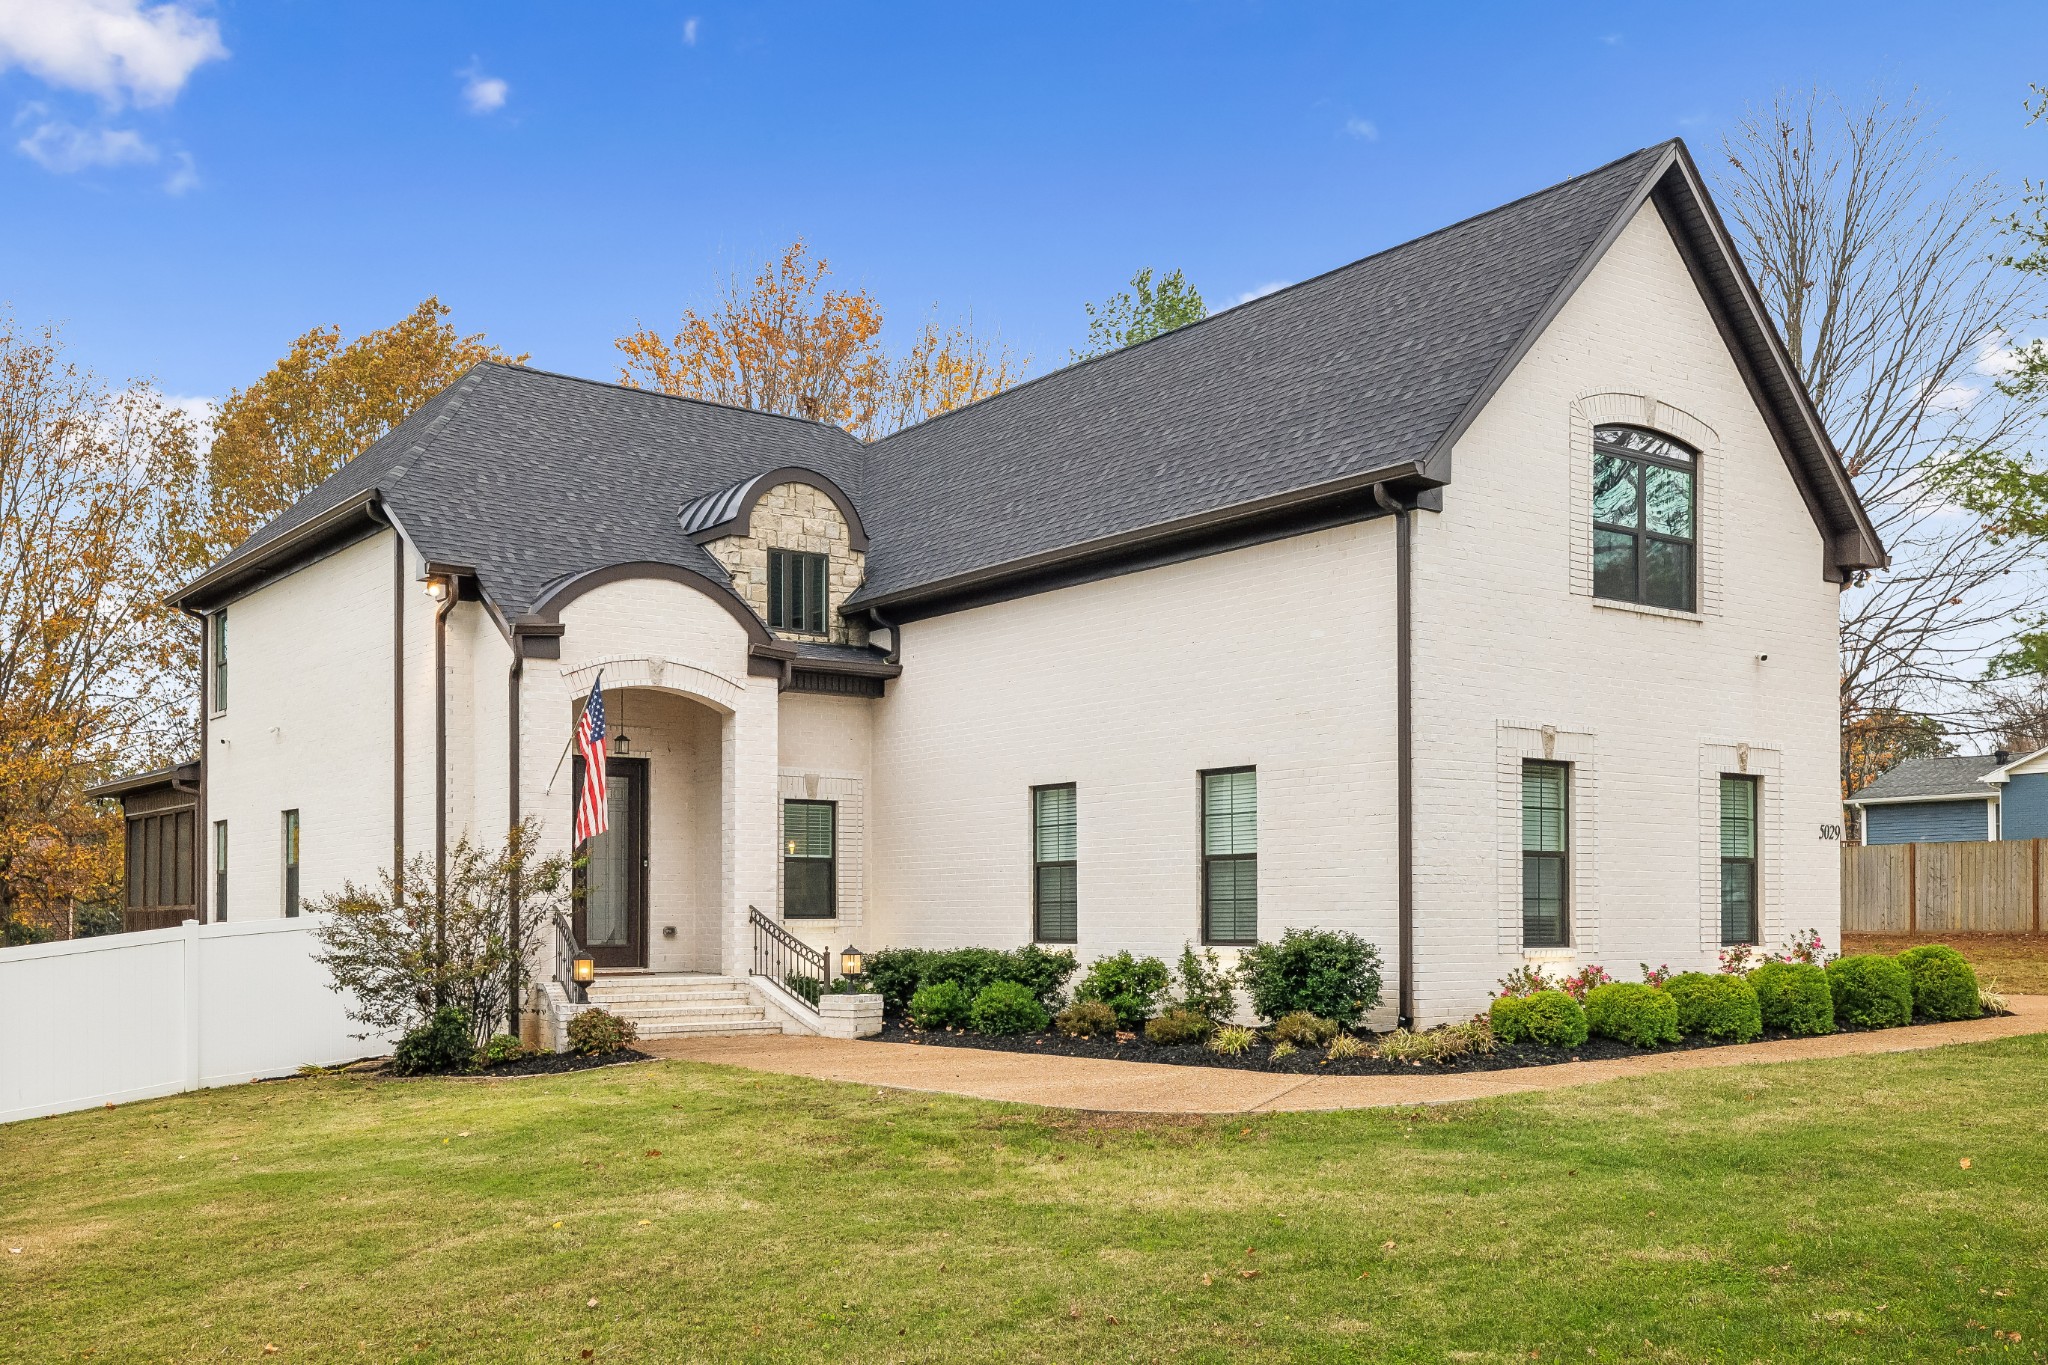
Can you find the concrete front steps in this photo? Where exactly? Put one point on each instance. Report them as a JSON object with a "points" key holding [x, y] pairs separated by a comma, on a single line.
{"points": [[682, 1005]]}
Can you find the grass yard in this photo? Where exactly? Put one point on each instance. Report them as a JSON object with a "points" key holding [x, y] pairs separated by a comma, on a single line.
{"points": [[1868, 1208], [2017, 963]]}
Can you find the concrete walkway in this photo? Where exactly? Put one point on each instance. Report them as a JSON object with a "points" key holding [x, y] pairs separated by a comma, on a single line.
{"points": [[1161, 1088]]}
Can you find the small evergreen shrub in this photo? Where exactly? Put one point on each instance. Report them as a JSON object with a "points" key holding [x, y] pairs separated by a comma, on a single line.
{"points": [[1871, 991], [1206, 986], [502, 1048], [1232, 1041], [1326, 972], [1178, 1027], [1944, 986], [1132, 986], [1303, 1029], [1007, 1007], [1633, 1013], [803, 987], [443, 1043], [943, 1004], [1794, 997], [1086, 1019], [1716, 1006], [895, 974], [1549, 1018], [596, 1031]]}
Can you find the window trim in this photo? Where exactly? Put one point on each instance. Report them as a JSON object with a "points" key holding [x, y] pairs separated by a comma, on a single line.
{"points": [[1205, 858], [1038, 934], [1641, 532], [1562, 856], [290, 832], [1754, 861], [831, 863], [807, 584]]}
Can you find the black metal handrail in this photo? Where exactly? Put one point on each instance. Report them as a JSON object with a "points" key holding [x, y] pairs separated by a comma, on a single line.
{"points": [[787, 960], [566, 952]]}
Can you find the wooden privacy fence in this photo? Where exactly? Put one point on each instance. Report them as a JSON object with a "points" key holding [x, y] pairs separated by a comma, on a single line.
{"points": [[1976, 888]]}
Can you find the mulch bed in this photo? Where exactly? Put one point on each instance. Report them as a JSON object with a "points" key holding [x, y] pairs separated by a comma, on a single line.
{"points": [[1306, 1062], [545, 1064]]}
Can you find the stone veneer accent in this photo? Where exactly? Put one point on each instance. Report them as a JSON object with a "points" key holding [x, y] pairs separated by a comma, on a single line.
{"points": [[796, 516]]}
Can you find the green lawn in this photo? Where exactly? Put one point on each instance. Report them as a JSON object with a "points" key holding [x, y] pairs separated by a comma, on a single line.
{"points": [[674, 1212]]}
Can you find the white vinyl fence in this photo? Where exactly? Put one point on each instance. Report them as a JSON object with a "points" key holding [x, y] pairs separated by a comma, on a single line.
{"points": [[129, 1016]]}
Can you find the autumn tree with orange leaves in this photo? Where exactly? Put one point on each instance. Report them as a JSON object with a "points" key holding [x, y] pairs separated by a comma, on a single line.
{"points": [[86, 646], [788, 344]]}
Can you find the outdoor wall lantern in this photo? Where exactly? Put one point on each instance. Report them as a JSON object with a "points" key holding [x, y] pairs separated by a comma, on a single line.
{"points": [[850, 962], [437, 588], [622, 744], [583, 968]]}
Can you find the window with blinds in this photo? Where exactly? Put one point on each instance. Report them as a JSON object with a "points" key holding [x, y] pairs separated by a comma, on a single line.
{"points": [[1054, 902], [809, 859], [291, 863], [1230, 856], [796, 591], [1738, 859], [1546, 854]]}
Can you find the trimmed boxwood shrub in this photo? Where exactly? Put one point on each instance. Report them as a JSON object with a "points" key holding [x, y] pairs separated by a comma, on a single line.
{"points": [[1086, 1019], [442, 1043], [1329, 973], [1178, 1027], [1715, 1005], [896, 973], [1005, 1007], [1871, 991], [1944, 986], [596, 1031], [1548, 1018], [943, 1004], [1132, 986], [1794, 997], [1631, 1012]]}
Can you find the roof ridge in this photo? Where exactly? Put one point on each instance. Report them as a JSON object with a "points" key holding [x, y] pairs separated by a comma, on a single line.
{"points": [[1284, 290], [671, 397]]}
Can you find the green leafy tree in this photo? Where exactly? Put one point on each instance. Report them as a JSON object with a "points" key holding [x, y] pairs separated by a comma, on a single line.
{"points": [[1141, 312]]}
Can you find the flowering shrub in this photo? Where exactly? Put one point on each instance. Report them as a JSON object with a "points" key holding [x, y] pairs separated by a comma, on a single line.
{"points": [[1737, 961], [1523, 981], [1655, 976], [1805, 946], [1580, 984]]}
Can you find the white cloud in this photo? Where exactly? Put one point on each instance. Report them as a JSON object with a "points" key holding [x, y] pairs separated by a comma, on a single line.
{"points": [[1611, 39], [184, 174], [690, 31], [199, 411], [1259, 292], [65, 148], [483, 94], [1365, 130], [110, 48]]}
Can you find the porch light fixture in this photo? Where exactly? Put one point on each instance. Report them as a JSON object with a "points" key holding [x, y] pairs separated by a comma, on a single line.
{"points": [[583, 968], [622, 744], [850, 961], [437, 588]]}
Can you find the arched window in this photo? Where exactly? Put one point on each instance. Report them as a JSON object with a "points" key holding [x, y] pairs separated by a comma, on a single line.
{"points": [[1643, 518]]}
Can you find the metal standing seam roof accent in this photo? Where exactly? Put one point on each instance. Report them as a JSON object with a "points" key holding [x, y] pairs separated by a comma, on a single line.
{"points": [[1363, 373], [1958, 775]]}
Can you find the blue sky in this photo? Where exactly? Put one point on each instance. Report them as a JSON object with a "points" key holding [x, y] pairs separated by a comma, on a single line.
{"points": [[185, 187]]}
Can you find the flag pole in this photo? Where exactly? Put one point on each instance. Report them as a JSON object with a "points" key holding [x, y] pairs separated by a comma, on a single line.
{"points": [[570, 742]]}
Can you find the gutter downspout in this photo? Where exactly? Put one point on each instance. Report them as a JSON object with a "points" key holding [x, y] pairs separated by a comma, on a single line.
{"points": [[1404, 743], [895, 636], [441, 611], [512, 815]]}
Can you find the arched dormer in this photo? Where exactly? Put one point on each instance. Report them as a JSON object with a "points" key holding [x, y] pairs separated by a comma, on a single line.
{"points": [[794, 546]]}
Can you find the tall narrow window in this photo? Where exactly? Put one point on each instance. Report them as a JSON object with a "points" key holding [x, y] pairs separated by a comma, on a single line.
{"points": [[291, 863], [1230, 856], [809, 859], [1738, 860], [796, 591], [1642, 518], [1546, 851], [220, 869], [220, 660], [1054, 820]]}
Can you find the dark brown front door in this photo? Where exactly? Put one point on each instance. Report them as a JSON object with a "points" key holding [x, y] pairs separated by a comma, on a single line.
{"points": [[611, 886]]}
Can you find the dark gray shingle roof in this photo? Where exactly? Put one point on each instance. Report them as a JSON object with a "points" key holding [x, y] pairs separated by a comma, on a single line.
{"points": [[1955, 776]]}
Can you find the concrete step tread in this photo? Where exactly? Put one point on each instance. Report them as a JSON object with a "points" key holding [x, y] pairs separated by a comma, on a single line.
{"points": [[712, 1026], [640, 997], [653, 1016]]}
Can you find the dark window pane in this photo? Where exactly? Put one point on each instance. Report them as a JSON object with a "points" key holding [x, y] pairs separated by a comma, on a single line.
{"points": [[778, 586], [809, 845], [1667, 574], [1638, 441], [1057, 901], [1233, 890], [806, 888], [1738, 900], [1614, 565], [1543, 899], [1614, 489], [1667, 496], [814, 613]]}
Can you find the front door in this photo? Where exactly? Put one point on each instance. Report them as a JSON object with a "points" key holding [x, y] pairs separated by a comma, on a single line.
{"points": [[611, 901]]}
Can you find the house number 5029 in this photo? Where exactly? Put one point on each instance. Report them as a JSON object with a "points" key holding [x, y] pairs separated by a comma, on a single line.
{"points": [[1832, 833]]}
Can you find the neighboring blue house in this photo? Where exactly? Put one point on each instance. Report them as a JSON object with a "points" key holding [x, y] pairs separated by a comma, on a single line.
{"points": [[1964, 799]]}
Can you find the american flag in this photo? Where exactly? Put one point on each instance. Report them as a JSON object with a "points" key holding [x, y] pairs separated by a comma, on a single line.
{"points": [[590, 808]]}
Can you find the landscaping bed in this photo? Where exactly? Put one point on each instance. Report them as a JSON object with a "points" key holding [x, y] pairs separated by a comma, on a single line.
{"points": [[1304, 1061], [535, 1064]]}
